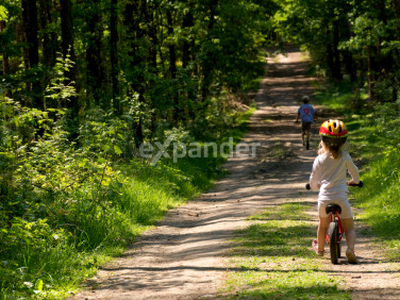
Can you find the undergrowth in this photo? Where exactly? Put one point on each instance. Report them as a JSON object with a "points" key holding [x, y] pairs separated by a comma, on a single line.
{"points": [[69, 207]]}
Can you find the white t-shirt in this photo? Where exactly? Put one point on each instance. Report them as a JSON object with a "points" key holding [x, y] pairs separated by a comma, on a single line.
{"points": [[330, 176]]}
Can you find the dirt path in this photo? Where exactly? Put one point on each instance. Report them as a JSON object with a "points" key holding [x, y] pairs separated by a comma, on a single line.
{"points": [[183, 258]]}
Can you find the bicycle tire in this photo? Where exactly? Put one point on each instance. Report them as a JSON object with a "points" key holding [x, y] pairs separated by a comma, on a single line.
{"points": [[338, 240], [333, 241]]}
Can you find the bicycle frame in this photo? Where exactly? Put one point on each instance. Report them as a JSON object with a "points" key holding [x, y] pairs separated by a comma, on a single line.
{"points": [[340, 227], [335, 230]]}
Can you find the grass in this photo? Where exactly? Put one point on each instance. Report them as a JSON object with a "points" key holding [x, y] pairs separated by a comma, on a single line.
{"points": [[380, 201], [341, 97], [272, 259]]}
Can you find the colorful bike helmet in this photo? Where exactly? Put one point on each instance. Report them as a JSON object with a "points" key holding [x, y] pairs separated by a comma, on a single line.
{"points": [[333, 132]]}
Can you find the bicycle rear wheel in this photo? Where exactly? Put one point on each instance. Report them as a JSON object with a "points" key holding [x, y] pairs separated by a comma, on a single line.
{"points": [[333, 241]]}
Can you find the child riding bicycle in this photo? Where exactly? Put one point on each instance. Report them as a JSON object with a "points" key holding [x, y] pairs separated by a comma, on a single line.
{"points": [[329, 176], [306, 114]]}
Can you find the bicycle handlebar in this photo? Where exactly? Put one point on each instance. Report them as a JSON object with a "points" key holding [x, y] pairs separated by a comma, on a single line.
{"points": [[360, 184]]}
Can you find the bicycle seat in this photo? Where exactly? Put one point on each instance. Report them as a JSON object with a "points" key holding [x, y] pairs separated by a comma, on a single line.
{"points": [[333, 208]]}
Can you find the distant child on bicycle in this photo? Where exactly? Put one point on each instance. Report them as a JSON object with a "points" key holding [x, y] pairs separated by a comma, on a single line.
{"points": [[306, 114], [329, 174]]}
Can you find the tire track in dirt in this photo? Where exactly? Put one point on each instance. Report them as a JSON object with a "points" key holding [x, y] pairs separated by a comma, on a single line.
{"points": [[183, 258]]}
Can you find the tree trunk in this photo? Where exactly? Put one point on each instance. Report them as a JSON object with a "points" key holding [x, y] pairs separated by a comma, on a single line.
{"points": [[151, 32], [134, 31], [29, 13], [396, 4], [93, 57], [49, 37], [114, 55], [329, 52], [172, 65], [208, 62], [336, 53], [68, 48], [188, 22], [384, 62], [21, 39], [131, 29], [6, 67], [348, 57], [382, 11], [371, 77], [67, 28], [171, 47]]}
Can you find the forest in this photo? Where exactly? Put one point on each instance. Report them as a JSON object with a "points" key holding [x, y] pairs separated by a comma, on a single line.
{"points": [[83, 84]]}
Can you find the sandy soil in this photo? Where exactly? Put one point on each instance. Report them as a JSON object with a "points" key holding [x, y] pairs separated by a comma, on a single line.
{"points": [[183, 258]]}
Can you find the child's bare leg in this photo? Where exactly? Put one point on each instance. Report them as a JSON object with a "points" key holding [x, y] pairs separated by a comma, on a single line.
{"points": [[322, 229], [307, 135], [348, 227]]}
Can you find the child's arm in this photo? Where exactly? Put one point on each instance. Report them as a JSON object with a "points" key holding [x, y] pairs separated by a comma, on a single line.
{"points": [[353, 170], [314, 177], [314, 114]]}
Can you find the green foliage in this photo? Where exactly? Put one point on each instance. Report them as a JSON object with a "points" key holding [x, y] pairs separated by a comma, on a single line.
{"points": [[342, 97], [355, 39], [73, 190], [368, 32], [60, 89], [3, 13], [66, 207], [238, 61]]}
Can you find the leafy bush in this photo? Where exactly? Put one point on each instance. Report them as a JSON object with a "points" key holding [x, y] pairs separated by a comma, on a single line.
{"points": [[73, 197], [67, 206]]}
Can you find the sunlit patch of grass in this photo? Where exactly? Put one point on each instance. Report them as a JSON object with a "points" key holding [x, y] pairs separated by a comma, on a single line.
{"points": [[269, 121], [291, 211], [272, 259], [277, 237], [341, 97], [362, 138], [304, 283], [380, 201]]}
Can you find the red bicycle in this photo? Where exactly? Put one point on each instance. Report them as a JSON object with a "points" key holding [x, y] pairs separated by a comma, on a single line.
{"points": [[335, 231]]}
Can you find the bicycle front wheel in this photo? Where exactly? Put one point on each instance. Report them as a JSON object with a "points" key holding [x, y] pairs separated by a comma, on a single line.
{"points": [[333, 241]]}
